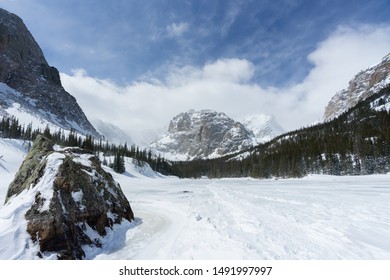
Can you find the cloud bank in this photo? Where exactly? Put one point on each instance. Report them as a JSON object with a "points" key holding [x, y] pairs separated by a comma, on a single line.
{"points": [[144, 108]]}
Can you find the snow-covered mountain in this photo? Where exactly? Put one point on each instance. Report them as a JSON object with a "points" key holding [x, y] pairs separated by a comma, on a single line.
{"points": [[202, 134], [363, 85], [264, 127], [112, 133], [31, 88]]}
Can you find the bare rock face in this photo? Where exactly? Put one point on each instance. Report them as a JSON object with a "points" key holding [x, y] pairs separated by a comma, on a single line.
{"points": [[72, 196], [202, 134], [363, 85], [24, 68]]}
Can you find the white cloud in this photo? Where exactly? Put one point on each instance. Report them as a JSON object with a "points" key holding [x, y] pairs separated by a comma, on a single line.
{"points": [[142, 108], [233, 70], [177, 30], [335, 62]]}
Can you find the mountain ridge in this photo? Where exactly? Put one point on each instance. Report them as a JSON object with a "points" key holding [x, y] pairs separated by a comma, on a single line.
{"points": [[208, 134], [357, 142], [36, 86], [364, 84]]}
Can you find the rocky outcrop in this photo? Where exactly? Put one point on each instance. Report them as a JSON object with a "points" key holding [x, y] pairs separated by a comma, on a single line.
{"points": [[363, 85], [73, 200], [24, 68], [202, 134]]}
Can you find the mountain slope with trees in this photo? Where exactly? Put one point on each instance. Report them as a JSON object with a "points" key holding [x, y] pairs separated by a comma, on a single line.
{"points": [[357, 142]]}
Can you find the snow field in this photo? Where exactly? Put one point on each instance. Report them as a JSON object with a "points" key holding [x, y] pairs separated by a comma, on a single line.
{"points": [[12, 153], [318, 217]]}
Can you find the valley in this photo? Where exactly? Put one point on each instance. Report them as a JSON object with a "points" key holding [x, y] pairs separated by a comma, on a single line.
{"points": [[209, 187]]}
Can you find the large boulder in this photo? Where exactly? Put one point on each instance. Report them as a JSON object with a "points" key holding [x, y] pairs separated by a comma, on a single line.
{"points": [[73, 199]]}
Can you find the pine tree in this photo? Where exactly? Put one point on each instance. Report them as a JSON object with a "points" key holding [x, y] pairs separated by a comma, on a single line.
{"points": [[119, 163]]}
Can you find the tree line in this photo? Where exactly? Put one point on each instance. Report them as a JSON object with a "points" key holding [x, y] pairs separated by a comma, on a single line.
{"points": [[10, 127]]}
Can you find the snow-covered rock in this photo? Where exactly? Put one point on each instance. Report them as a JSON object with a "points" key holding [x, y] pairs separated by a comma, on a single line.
{"points": [[363, 85], [29, 86], [61, 200], [202, 134]]}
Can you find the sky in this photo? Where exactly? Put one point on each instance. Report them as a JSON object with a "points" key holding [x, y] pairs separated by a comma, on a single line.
{"points": [[136, 64]]}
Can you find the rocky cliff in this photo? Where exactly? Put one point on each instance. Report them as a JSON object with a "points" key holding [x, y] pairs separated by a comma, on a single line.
{"points": [[37, 85], [363, 85], [68, 200], [202, 134]]}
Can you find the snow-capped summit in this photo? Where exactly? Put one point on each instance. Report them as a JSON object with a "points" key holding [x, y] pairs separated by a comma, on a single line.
{"points": [[202, 134], [264, 127], [363, 85], [29, 86]]}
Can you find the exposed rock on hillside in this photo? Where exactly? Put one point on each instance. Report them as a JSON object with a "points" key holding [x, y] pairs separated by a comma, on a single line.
{"points": [[72, 201], [37, 85], [363, 85], [202, 134]]}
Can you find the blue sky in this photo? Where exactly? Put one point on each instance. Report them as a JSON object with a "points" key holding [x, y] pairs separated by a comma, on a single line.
{"points": [[130, 45], [124, 39]]}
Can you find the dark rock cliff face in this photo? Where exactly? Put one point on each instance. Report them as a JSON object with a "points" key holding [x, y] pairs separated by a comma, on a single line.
{"points": [[72, 196], [24, 68]]}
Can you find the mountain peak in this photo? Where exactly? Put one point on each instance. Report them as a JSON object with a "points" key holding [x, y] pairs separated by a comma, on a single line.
{"points": [[363, 85], [37, 86], [202, 134]]}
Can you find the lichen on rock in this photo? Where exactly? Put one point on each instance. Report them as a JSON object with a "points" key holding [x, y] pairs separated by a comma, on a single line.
{"points": [[72, 196]]}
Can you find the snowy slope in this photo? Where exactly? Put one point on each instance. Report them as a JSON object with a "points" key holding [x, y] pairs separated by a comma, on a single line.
{"points": [[12, 153], [27, 116], [380, 104], [264, 127], [134, 168]]}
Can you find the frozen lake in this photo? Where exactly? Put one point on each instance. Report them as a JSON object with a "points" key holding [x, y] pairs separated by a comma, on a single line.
{"points": [[317, 217]]}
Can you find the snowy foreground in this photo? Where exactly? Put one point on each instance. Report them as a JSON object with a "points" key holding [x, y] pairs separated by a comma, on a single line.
{"points": [[317, 217]]}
